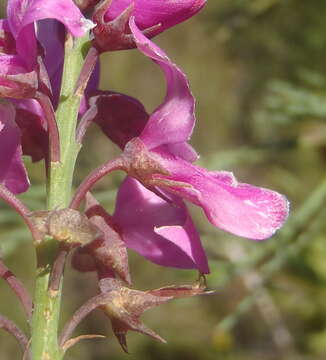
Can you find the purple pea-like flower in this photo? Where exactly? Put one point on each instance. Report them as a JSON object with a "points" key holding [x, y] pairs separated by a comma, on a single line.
{"points": [[158, 156]]}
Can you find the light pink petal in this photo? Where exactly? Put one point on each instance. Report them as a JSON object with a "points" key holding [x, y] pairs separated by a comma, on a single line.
{"points": [[158, 230], [241, 209], [22, 14], [149, 13], [173, 121], [12, 171]]}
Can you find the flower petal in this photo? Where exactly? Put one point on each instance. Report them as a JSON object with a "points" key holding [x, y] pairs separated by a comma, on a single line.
{"points": [[241, 209], [182, 150], [120, 117], [150, 13], [160, 231], [12, 171], [51, 35], [173, 121], [22, 15], [30, 119]]}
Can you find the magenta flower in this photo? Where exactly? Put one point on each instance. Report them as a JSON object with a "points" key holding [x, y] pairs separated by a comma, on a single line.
{"points": [[152, 17], [158, 156], [12, 171]]}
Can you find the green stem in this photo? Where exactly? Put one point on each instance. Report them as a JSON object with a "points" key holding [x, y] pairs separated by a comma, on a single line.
{"points": [[60, 174]]}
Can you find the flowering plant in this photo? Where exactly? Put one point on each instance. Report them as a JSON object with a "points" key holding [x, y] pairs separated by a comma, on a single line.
{"points": [[49, 88]]}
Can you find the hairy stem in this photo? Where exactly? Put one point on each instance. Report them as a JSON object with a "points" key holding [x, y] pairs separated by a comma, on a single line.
{"points": [[47, 302]]}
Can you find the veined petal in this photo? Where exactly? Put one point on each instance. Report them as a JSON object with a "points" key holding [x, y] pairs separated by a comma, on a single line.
{"points": [[242, 209], [160, 231], [12, 171], [149, 13], [173, 121]]}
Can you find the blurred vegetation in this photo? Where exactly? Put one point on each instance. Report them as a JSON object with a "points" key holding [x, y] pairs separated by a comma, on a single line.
{"points": [[257, 69]]}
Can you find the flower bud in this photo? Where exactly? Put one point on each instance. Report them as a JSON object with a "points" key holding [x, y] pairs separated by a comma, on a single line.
{"points": [[152, 17]]}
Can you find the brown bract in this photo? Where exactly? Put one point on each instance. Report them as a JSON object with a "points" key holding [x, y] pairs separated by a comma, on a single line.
{"points": [[67, 226], [124, 306], [109, 250]]}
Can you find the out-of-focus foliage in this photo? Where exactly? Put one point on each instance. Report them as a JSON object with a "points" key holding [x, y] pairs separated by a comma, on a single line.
{"points": [[257, 69]]}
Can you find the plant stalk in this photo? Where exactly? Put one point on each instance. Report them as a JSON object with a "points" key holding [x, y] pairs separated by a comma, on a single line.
{"points": [[45, 320]]}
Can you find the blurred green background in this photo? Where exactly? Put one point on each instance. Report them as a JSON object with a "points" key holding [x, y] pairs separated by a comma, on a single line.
{"points": [[257, 69]]}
